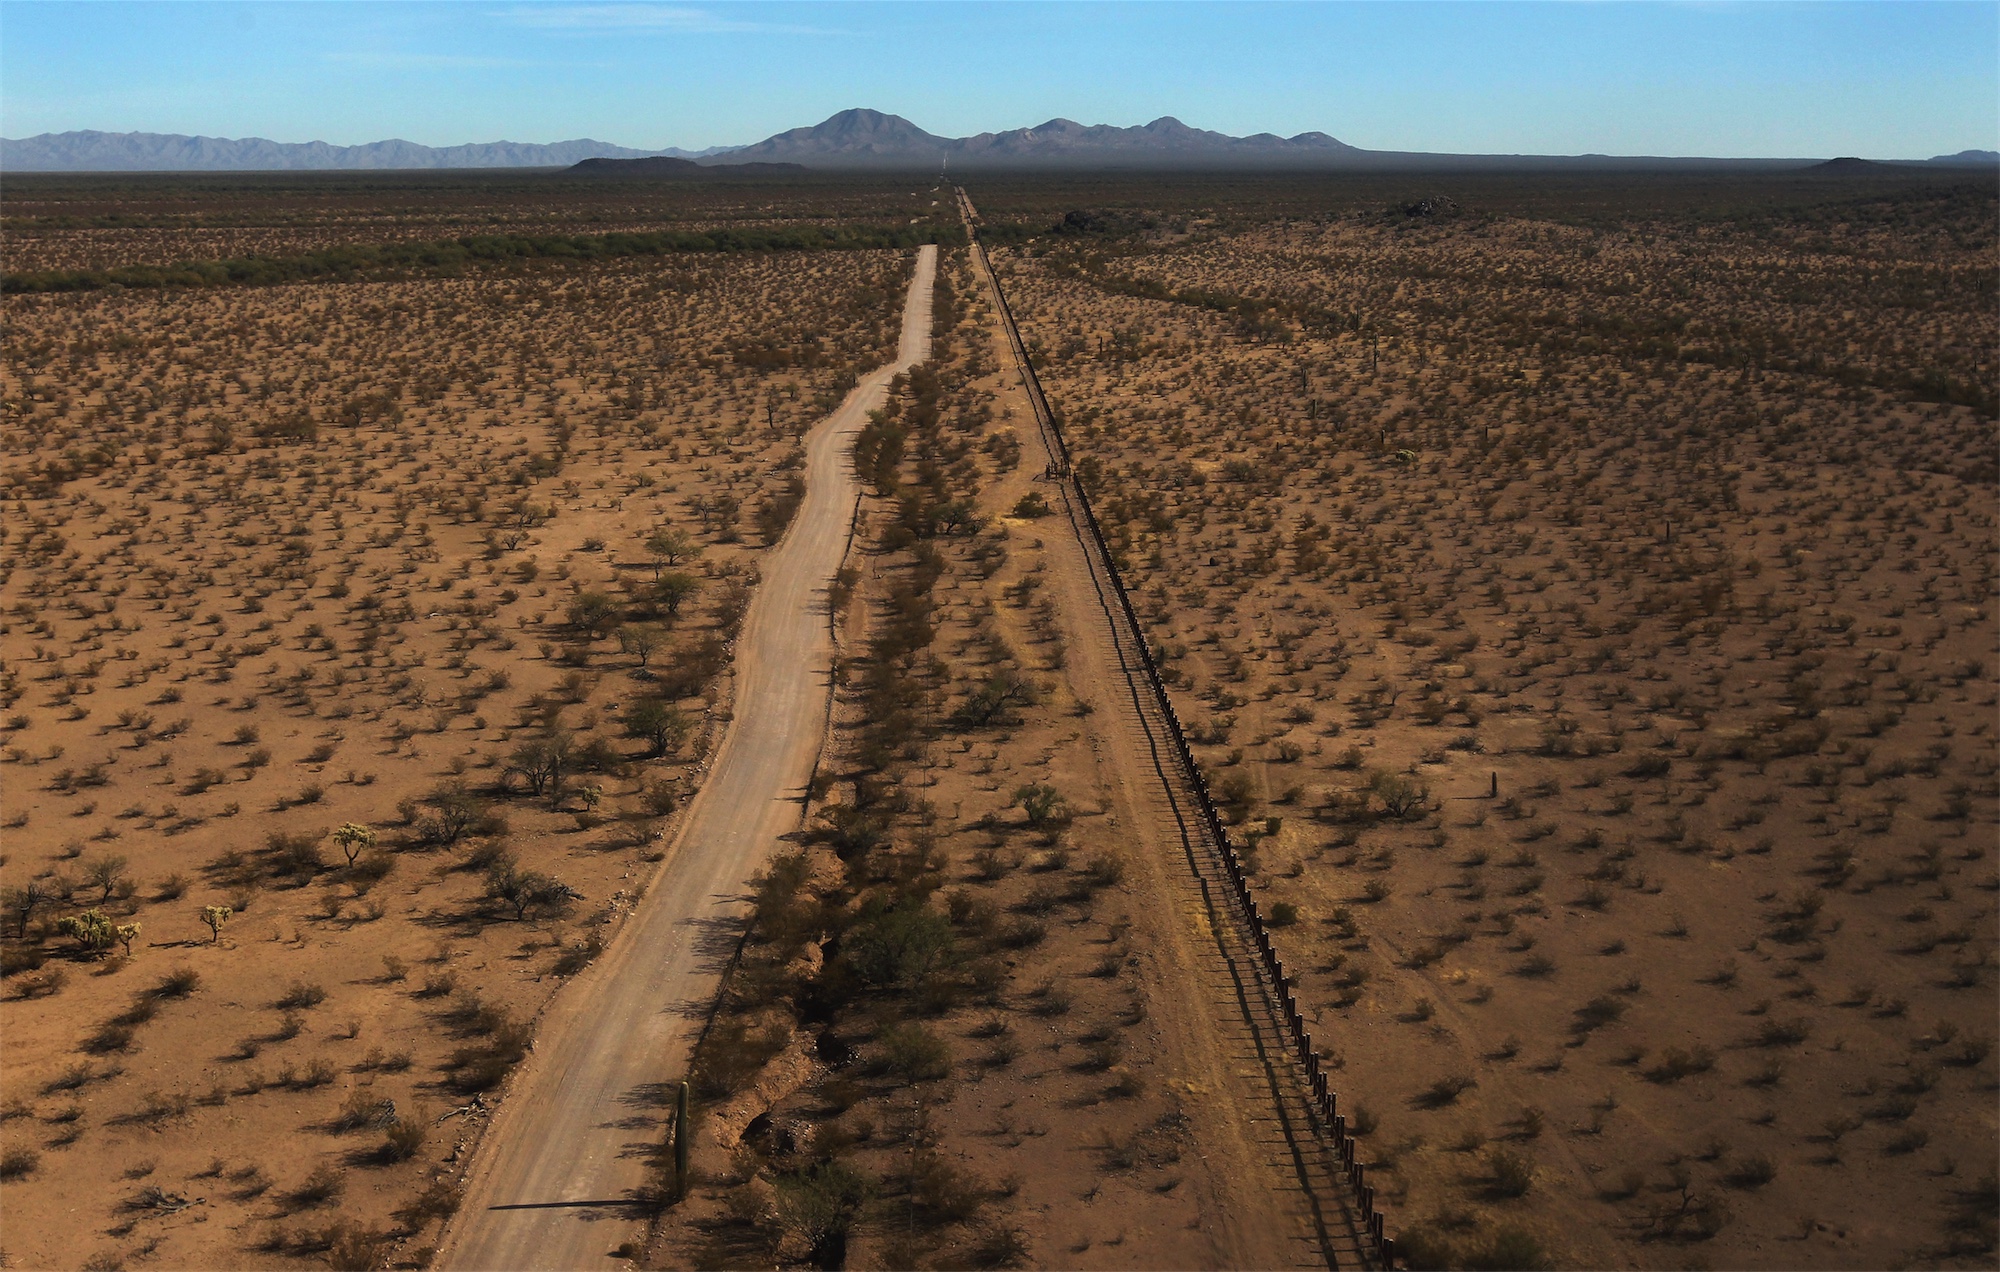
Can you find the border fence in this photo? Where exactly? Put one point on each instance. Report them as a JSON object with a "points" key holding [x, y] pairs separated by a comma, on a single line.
{"points": [[1203, 834]]}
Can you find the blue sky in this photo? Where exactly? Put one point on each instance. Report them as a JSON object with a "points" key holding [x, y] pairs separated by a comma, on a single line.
{"points": [[1891, 80]]}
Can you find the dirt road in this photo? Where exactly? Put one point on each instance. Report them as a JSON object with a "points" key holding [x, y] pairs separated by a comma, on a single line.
{"points": [[1279, 1189], [552, 1183]]}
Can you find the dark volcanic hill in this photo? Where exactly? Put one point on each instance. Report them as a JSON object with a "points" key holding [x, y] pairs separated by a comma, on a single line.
{"points": [[650, 166], [662, 166], [1848, 164]]}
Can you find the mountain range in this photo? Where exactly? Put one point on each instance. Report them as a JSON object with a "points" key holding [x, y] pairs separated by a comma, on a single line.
{"points": [[173, 152], [851, 139], [869, 138]]}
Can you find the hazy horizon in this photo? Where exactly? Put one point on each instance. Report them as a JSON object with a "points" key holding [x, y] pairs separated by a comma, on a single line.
{"points": [[722, 148], [1890, 81]]}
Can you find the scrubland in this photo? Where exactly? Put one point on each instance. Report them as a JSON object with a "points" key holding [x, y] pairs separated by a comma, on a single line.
{"points": [[945, 1043], [1580, 594], [1584, 612], [361, 641], [98, 221]]}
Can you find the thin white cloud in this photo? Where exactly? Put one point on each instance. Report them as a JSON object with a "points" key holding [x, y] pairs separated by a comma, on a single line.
{"points": [[393, 61], [661, 19]]}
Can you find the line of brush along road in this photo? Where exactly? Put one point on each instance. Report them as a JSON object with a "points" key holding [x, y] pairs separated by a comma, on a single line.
{"points": [[446, 257], [1280, 1082], [555, 1179]]}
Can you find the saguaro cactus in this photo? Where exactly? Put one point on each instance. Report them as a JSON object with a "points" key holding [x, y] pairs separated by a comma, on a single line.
{"points": [[681, 1142]]}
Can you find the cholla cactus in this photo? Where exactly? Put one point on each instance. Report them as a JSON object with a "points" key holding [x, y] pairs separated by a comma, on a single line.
{"points": [[92, 932], [354, 839], [126, 934], [217, 917]]}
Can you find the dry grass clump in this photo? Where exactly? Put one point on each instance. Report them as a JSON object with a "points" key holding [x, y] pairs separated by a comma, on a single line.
{"points": [[1588, 628]]}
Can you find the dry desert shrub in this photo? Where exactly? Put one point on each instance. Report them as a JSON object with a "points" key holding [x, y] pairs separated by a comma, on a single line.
{"points": [[291, 574], [1566, 592]]}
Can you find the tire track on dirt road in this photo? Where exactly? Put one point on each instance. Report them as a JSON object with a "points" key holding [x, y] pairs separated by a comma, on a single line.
{"points": [[555, 1181]]}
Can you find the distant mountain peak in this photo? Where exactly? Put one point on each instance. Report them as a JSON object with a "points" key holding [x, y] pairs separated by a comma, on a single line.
{"points": [[861, 137], [860, 121], [857, 133]]}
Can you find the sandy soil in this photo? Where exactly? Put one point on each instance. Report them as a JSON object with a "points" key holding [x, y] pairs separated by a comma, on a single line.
{"points": [[285, 559], [1709, 978], [1586, 610]]}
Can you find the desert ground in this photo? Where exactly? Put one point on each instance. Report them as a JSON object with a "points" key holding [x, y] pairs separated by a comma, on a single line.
{"points": [[1586, 614], [419, 587], [453, 561], [100, 221], [1581, 595], [972, 1026]]}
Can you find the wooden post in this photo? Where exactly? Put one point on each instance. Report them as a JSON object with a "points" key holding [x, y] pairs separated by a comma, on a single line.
{"points": [[681, 1143], [1494, 791]]}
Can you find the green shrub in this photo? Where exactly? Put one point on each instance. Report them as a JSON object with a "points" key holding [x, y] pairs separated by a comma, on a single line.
{"points": [[902, 946], [402, 1139], [731, 1055], [663, 727], [352, 1248], [819, 1206], [943, 1194], [439, 1201], [1753, 1171], [914, 1053], [293, 855], [15, 959], [319, 1188], [1423, 1248], [302, 994], [1043, 805], [178, 983], [1401, 796], [1510, 1174]]}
